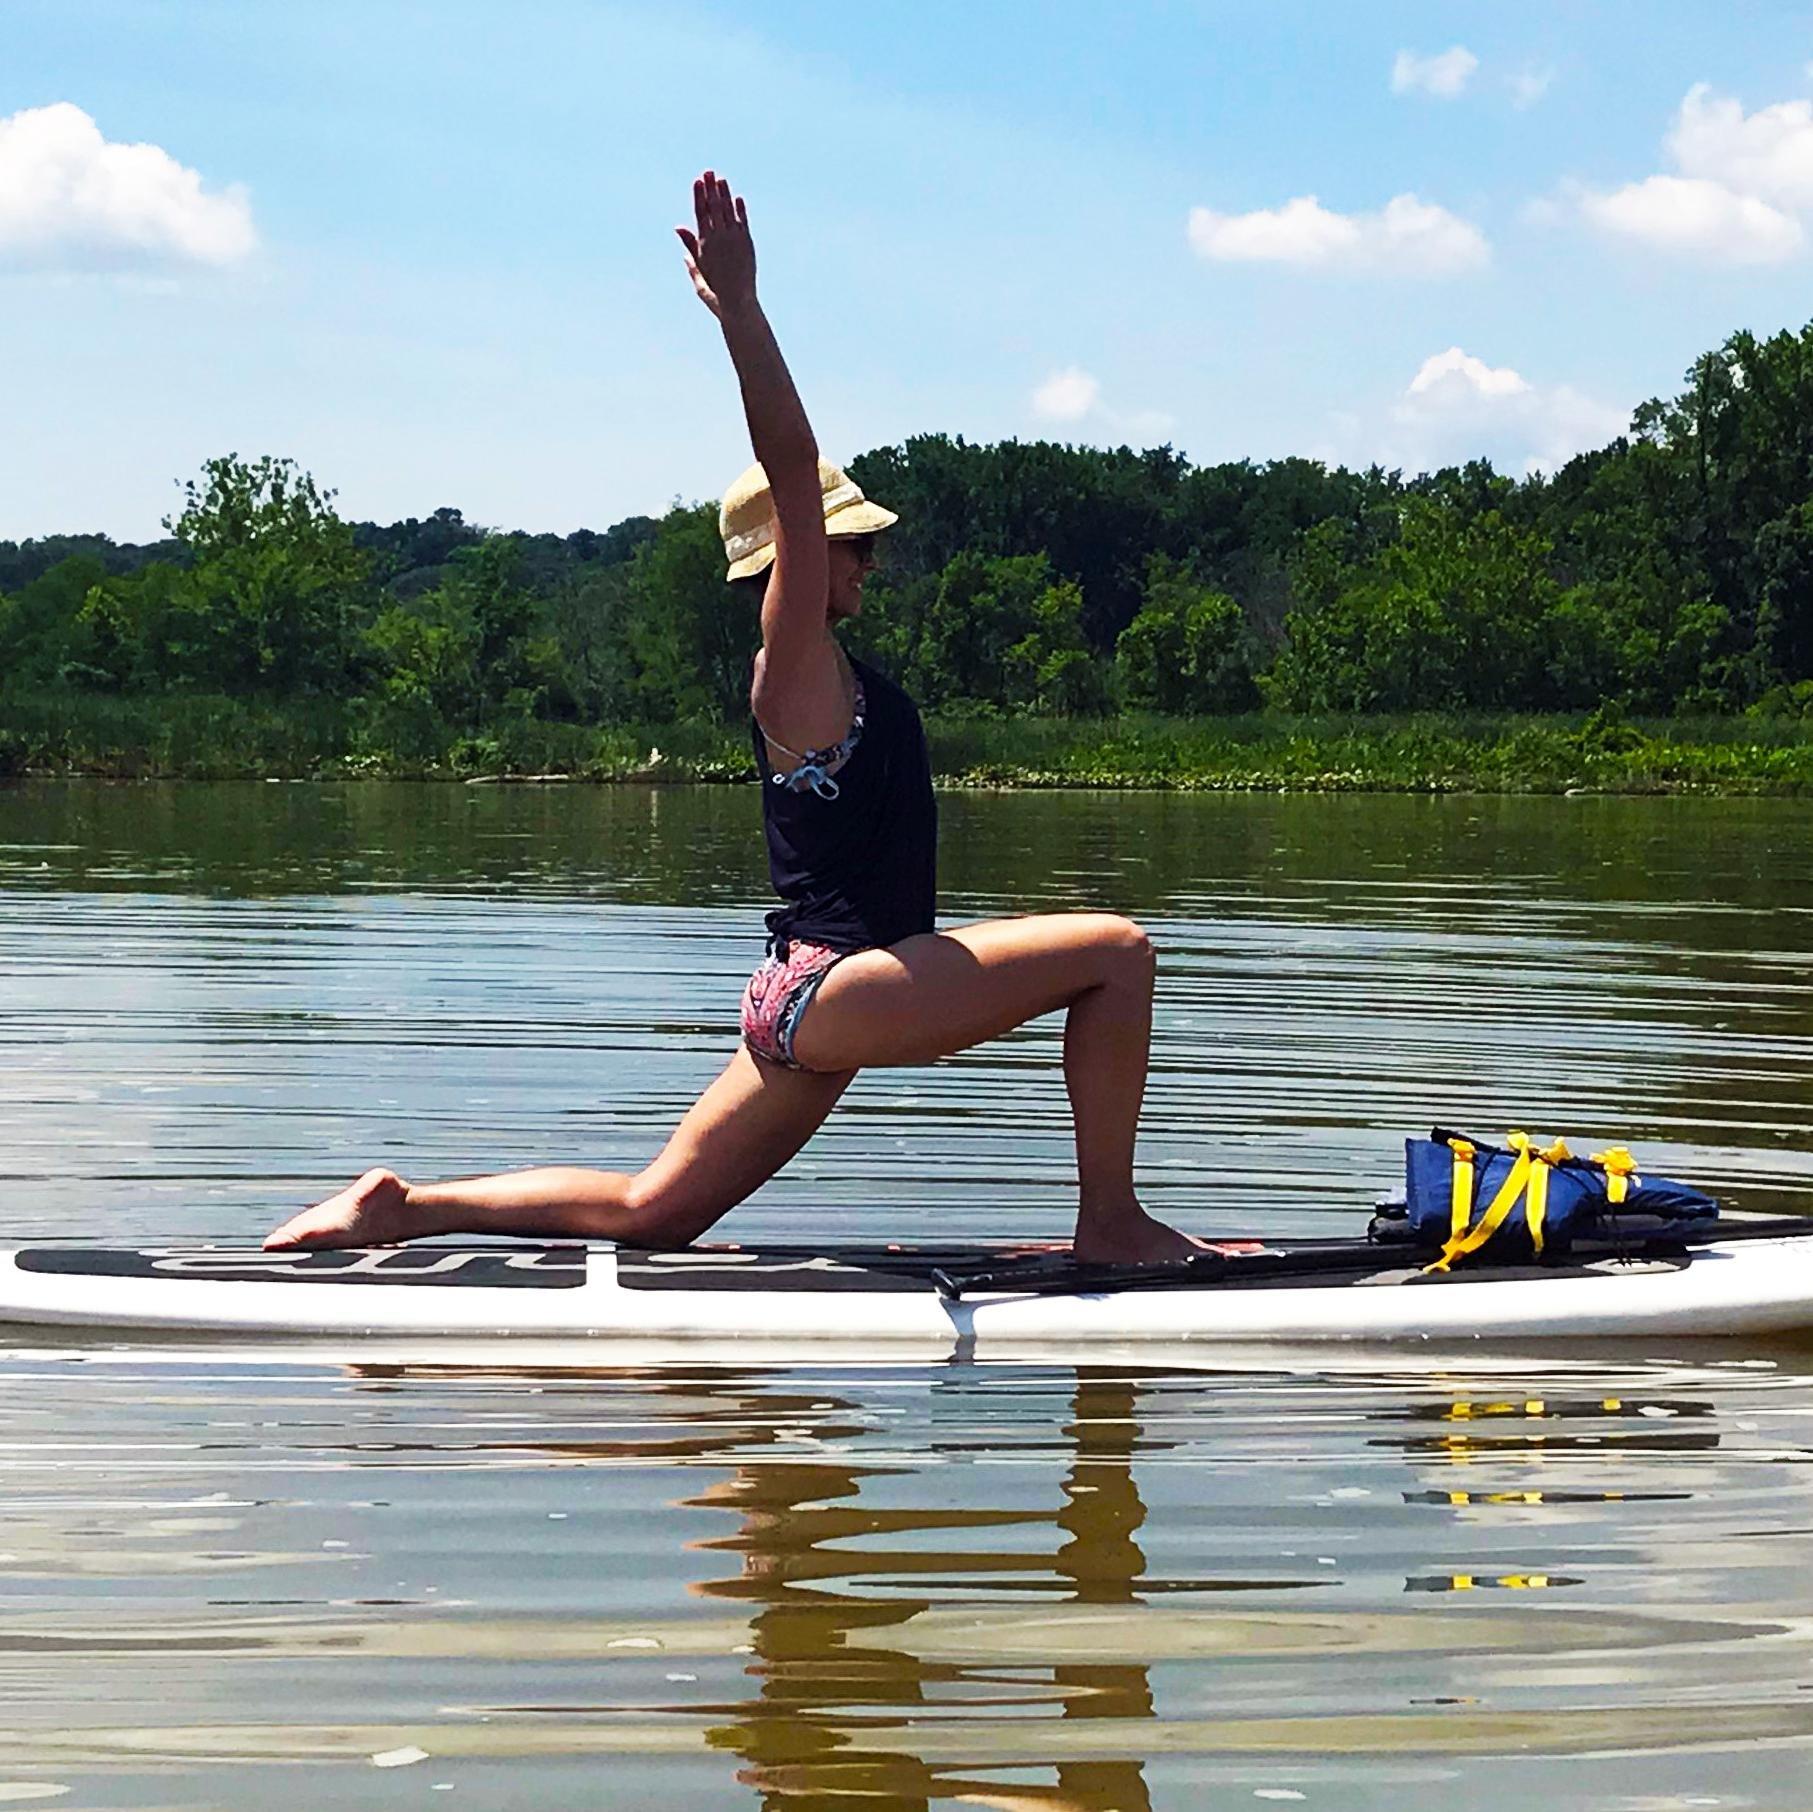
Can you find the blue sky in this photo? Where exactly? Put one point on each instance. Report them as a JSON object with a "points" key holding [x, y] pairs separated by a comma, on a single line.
{"points": [[426, 249]]}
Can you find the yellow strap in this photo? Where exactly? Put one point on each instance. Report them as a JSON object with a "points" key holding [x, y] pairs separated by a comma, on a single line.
{"points": [[1538, 1204], [1531, 1172], [1470, 1240], [1538, 1208], [1620, 1172], [1460, 1200]]}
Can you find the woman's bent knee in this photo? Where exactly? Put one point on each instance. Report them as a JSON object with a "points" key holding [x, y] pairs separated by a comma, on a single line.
{"points": [[661, 1214], [1124, 943]]}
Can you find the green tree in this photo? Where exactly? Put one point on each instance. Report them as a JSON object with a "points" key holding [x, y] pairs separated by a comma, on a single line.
{"points": [[1095, 513], [1189, 650], [422, 656], [1602, 645], [688, 639], [276, 587], [38, 633], [891, 629], [585, 618], [1449, 616], [1784, 564], [23, 561], [1739, 442], [1003, 632], [484, 592], [1672, 569]]}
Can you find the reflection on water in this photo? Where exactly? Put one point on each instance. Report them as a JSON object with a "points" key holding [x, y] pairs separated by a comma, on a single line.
{"points": [[821, 1588], [822, 1655], [1345, 1580]]}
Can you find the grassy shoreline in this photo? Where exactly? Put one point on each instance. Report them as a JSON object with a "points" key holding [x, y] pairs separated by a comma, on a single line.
{"points": [[190, 737]]}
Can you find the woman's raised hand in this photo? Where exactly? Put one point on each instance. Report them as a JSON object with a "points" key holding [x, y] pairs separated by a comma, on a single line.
{"points": [[720, 255]]}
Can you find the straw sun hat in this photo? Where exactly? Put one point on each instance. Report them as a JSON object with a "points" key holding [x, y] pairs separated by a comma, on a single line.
{"points": [[746, 517]]}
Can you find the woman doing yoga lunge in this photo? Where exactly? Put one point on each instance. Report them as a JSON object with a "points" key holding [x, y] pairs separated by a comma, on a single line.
{"points": [[855, 974]]}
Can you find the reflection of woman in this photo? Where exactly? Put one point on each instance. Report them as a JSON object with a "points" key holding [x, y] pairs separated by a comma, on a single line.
{"points": [[856, 974], [842, 1704]]}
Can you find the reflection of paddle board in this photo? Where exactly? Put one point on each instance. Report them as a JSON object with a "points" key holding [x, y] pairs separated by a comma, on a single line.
{"points": [[1752, 1280]]}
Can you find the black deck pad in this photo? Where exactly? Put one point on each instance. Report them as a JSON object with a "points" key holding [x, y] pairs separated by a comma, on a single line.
{"points": [[443, 1267], [867, 1269], [956, 1271], [896, 1269]]}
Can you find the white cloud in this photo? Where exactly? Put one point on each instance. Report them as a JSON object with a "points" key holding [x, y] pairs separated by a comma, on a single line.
{"points": [[1066, 396], [72, 200], [1458, 373], [1744, 182], [1407, 237], [1456, 407], [1300, 232], [1768, 153], [1528, 86], [1072, 396], [1692, 216], [1443, 75]]}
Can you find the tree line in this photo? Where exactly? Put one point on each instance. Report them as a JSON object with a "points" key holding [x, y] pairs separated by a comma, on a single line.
{"points": [[1669, 572]]}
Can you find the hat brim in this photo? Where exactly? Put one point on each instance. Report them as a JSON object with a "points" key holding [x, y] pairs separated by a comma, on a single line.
{"points": [[854, 519], [863, 518]]}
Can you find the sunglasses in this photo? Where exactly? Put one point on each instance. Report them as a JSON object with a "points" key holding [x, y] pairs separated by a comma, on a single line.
{"points": [[862, 546]]}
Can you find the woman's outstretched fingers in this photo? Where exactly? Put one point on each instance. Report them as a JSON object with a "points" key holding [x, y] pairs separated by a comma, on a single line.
{"points": [[720, 255]]}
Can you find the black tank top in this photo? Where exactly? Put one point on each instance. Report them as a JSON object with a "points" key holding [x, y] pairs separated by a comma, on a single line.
{"points": [[858, 871]]}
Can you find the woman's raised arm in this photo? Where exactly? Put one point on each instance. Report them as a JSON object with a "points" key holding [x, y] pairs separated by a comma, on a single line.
{"points": [[720, 259]]}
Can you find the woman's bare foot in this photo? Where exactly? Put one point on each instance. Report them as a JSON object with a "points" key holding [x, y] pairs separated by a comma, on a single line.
{"points": [[371, 1212], [1131, 1237]]}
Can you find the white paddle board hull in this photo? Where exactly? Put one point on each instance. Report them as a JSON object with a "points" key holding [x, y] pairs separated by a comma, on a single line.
{"points": [[798, 1299]]}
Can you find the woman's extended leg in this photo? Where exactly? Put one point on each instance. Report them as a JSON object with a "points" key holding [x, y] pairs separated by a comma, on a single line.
{"points": [[939, 992], [742, 1130]]}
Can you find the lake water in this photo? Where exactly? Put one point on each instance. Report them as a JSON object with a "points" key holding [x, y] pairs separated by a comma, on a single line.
{"points": [[1584, 1580]]}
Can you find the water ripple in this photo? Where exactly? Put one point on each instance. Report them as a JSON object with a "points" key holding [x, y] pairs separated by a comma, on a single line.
{"points": [[232, 1577]]}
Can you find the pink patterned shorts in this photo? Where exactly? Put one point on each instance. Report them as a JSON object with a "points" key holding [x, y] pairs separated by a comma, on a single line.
{"points": [[779, 992]]}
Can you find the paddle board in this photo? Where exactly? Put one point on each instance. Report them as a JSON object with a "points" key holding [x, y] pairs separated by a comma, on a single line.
{"points": [[1750, 1281]]}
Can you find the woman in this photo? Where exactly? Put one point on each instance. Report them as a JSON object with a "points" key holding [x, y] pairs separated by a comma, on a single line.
{"points": [[856, 975]]}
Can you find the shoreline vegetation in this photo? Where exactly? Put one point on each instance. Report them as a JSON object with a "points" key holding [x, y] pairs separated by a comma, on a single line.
{"points": [[218, 738], [1638, 621]]}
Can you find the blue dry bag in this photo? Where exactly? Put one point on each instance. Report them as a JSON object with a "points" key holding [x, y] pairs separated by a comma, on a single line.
{"points": [[1529, 1199]]}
